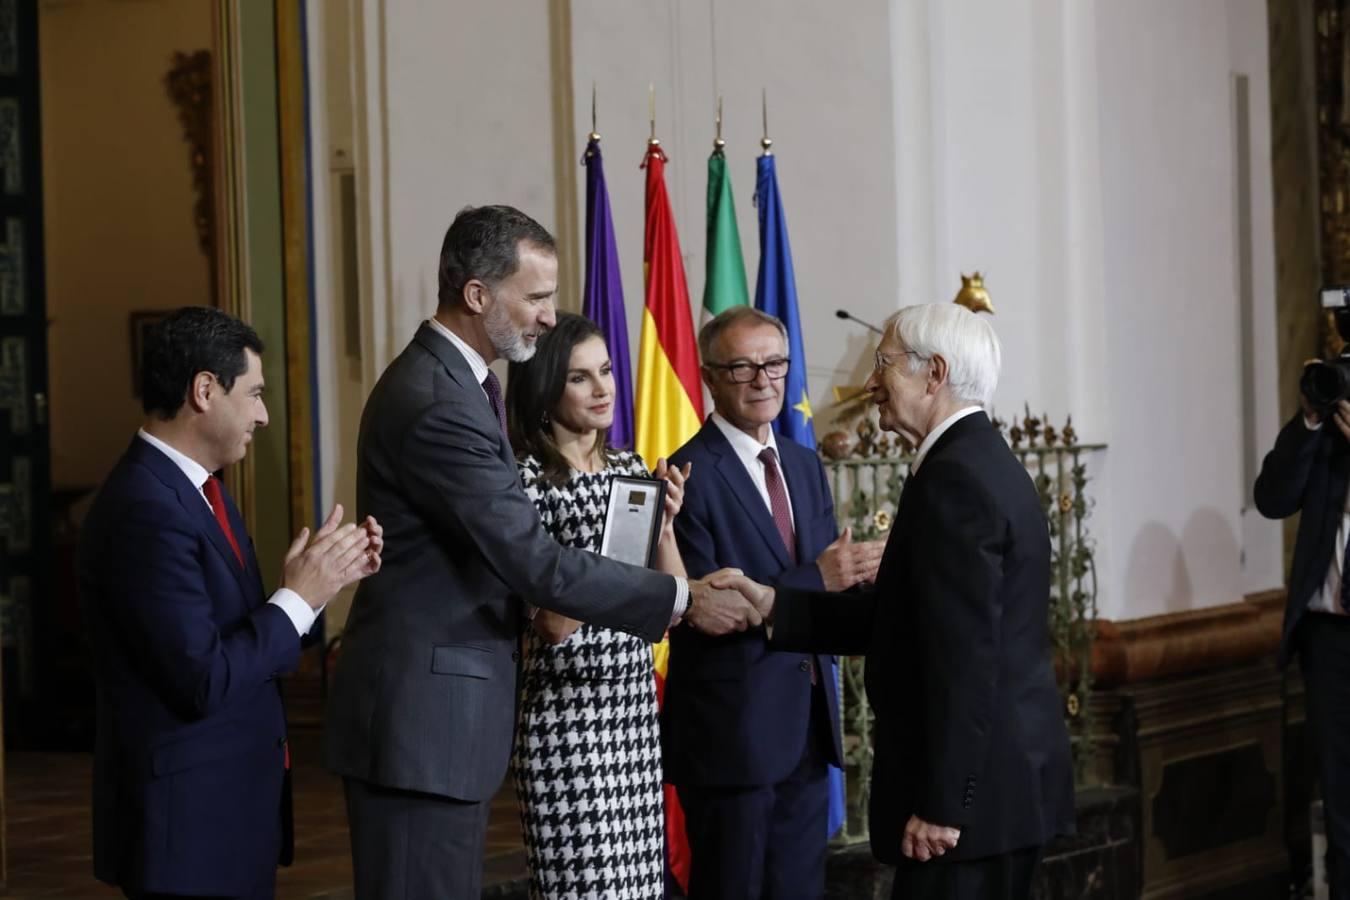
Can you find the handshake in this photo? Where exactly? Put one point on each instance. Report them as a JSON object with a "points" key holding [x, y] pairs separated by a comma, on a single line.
{"points": [[727, 601]]}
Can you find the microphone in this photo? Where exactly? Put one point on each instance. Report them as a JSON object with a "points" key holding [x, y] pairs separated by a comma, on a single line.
{"points": [[845, 314]]}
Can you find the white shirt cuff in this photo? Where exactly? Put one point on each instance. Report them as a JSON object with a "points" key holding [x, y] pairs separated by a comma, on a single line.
{"points": [[681, 599], [296, 609]]}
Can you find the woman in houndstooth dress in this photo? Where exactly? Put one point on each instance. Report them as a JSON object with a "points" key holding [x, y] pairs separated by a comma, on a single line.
{"points": [[587, 761]]}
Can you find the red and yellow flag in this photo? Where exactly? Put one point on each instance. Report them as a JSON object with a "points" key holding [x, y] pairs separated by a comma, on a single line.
{"points": [[668, 409], [669, 406]]}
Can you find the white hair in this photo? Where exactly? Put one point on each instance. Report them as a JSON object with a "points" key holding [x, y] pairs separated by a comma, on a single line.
{"points": [[964, 339]]}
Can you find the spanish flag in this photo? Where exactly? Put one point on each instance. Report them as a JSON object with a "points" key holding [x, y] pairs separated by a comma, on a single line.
{"points": [[669, 405]]}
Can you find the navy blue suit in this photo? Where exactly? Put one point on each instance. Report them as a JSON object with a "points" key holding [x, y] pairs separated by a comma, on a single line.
{"points": [[738, 716], [189, 787]]}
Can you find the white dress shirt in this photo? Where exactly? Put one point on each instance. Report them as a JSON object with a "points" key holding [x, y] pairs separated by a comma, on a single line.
{"points": [[937, 432], [480, 372], [1328, 599], [747, 451], [291, 603]]}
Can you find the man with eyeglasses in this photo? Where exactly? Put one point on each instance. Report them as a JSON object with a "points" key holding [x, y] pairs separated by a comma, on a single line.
{"points": [[748, 731]]}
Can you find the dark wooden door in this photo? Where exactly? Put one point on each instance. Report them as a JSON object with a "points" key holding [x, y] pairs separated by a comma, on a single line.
{"points": [[25, 460]]}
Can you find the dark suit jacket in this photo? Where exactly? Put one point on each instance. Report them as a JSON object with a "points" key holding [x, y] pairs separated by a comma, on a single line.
{"points": [[188, 758], [969, 728], [1306, 470], [737, 713], [424, 694]]}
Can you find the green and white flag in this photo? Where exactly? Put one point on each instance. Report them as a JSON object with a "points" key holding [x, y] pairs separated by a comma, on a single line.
{"points": [[725, 283]]}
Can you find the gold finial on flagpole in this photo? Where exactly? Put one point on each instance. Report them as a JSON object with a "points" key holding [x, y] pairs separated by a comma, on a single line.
{"points": [[764, 105], [651, 114], [718, 143], [594, 135]]}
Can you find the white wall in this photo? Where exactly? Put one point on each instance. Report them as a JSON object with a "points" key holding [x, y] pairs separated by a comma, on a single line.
{"points": [[1080, 154], [827, 78]]}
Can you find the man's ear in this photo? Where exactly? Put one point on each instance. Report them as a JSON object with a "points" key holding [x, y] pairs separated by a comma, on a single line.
{"points": [[476, 296], [706, 375], [200, 390], [937, 373]]}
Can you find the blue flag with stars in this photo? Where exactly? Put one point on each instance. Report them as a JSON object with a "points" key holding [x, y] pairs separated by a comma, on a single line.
{"points": [[776, 294]]}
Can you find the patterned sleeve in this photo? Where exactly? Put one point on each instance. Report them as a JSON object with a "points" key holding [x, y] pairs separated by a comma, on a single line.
{"points": [[532, 479], [631, 464]]}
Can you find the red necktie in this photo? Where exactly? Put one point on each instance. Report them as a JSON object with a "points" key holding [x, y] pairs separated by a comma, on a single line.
{"points": [[782, 516], [778, 501], [216, 497]]}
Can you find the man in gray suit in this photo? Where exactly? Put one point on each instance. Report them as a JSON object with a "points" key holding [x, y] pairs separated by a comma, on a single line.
{"points": [[422, 706]]}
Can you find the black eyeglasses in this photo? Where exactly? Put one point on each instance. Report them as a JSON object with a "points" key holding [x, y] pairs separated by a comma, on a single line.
{"points": [[746, 372]]}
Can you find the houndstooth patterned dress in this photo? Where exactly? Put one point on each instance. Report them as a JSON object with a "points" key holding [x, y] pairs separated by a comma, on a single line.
{"points": [[587, 761]]}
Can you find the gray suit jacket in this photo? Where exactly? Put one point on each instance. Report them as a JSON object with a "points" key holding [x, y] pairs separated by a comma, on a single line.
{"points": [[424, 694]]}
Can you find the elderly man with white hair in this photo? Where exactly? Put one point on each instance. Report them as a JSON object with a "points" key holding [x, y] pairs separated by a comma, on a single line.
{"points": [[972, 774]]}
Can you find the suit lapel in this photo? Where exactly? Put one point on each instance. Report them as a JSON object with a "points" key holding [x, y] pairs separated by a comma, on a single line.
{"points": [[439, 346], [253, 584], [740, 486], [195, 506]]}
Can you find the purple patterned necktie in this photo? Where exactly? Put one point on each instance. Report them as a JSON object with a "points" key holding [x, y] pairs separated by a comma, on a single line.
{"points": [[493, 387], [778, 501]]}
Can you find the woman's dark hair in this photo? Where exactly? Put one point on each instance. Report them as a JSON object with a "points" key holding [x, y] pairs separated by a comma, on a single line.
{"points": [[191, 340], [535, 387]]}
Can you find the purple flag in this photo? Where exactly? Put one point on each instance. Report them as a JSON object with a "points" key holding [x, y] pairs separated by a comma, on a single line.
{"points": [[603, 294]]}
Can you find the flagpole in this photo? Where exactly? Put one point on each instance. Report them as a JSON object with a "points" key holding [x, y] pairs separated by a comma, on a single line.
{"points": [[718, 143], [764, 107], [593, 138], [651, 114], [595, 132]]}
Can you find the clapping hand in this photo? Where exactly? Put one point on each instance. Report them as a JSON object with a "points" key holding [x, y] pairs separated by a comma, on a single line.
{"points": [[337, 556], [675, 479], [844, 563]]}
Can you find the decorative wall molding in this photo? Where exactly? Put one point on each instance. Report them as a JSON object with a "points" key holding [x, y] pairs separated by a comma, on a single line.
{"points": [[1187, 642]]}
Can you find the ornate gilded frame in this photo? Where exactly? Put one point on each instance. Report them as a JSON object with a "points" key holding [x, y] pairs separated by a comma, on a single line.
{"points": [[231, 244]]}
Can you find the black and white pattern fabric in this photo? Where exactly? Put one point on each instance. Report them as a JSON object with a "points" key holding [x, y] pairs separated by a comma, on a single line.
{"points": [[587, 761]]}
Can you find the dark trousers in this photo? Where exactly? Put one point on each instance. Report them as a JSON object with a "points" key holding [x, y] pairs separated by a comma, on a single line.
{"points": [[763, 841], [410, 846], [1324, 656], [1004, 877]]}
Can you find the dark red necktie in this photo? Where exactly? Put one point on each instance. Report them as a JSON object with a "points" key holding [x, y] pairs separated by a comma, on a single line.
{"points": [[492, 386], [782, 517], [778, 501], [216, 497]]}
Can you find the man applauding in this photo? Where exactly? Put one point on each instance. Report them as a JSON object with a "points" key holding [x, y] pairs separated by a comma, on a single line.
{"points": [[190, 760]]}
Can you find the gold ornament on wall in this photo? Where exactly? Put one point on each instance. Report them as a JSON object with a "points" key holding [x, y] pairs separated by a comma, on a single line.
{"points": [[973, 294]]}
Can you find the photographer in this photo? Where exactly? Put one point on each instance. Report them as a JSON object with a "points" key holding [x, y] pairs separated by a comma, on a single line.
{"points": [[1309, 471]]}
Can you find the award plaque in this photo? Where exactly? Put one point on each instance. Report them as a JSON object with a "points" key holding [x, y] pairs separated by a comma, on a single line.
{"points": [[633, 519]]}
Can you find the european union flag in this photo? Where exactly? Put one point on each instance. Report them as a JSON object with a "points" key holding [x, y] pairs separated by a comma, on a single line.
{"points": [[776, 294]]}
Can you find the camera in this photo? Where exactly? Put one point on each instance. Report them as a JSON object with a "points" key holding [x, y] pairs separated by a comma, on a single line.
{"points": [[1325, 383]]}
